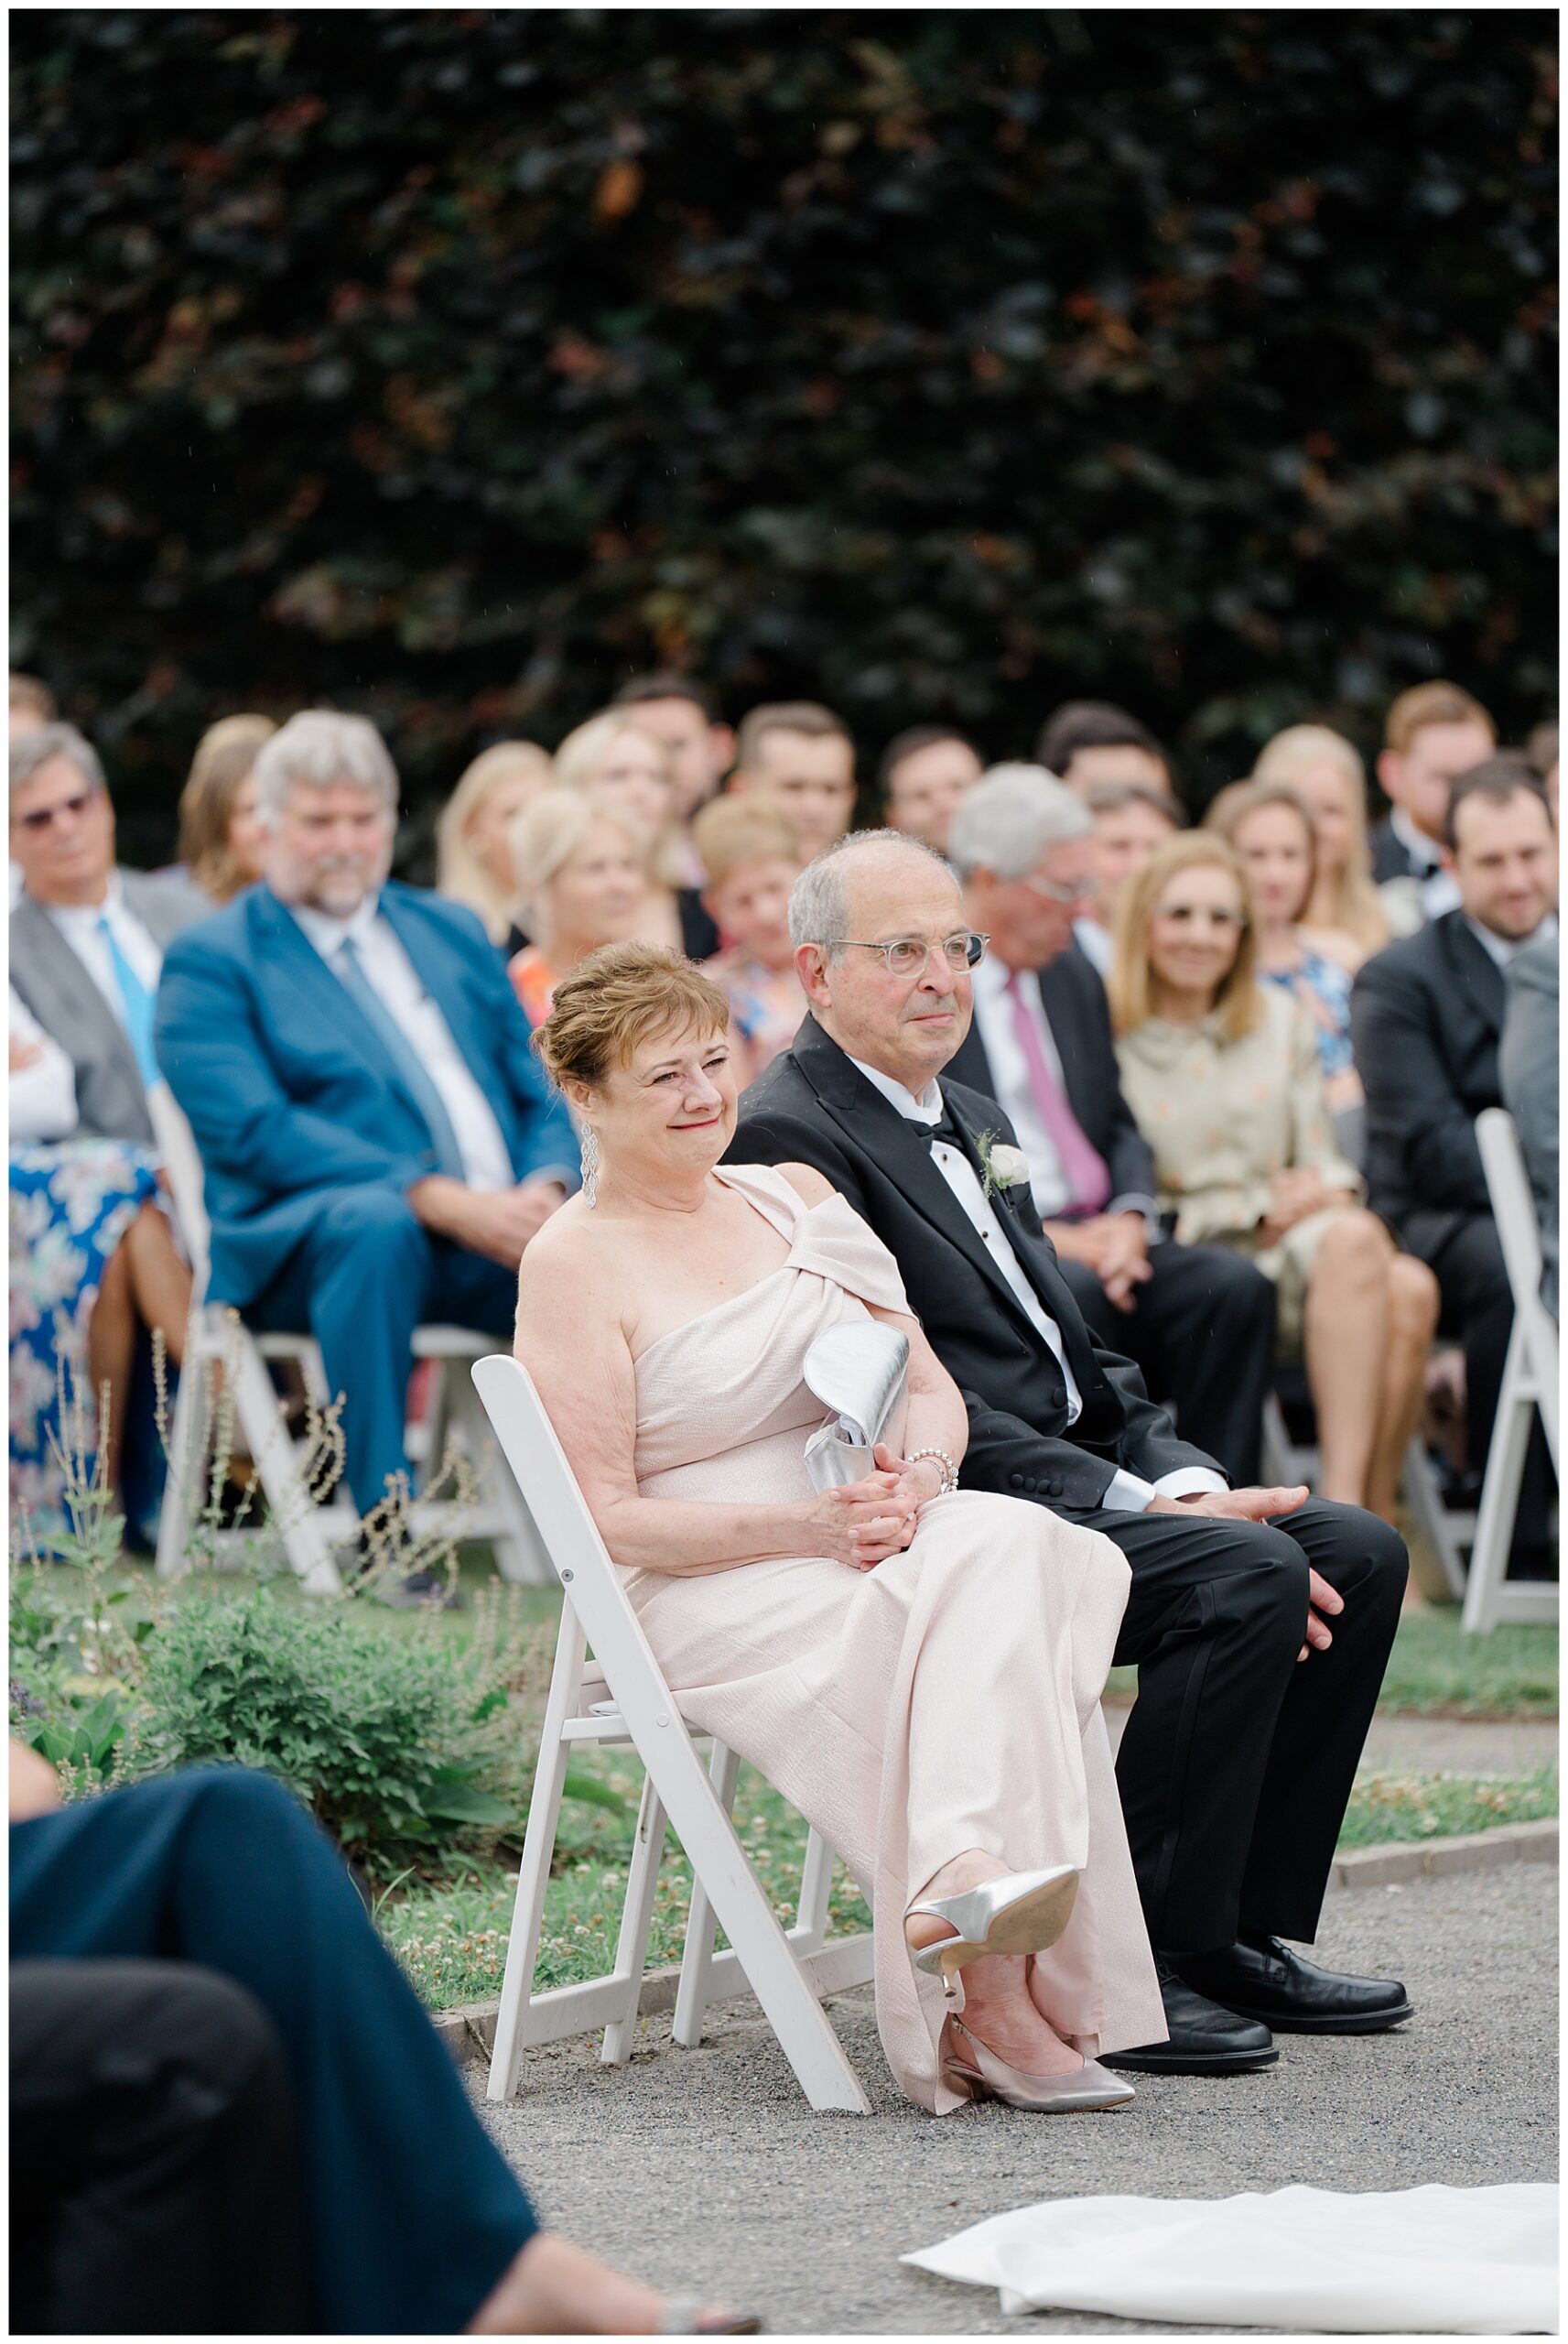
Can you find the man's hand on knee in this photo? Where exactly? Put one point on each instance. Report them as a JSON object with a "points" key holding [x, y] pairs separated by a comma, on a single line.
{"points": [[496, 1222], [1235, 1505]]}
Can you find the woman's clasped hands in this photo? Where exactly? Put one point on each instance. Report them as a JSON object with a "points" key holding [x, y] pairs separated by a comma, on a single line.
{"points": [[866, 1521]]}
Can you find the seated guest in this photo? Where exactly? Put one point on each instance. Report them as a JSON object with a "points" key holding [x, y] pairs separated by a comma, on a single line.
{"points": [[32, 704], [1236, 1763], [93, 1264], [922, 777], [1528, 1070], [1432, 735], [221, 840], [802, 754], [619, 763], [752, 860], [1198, 1319], [582, 882], [1427, 1015], [859, 1646], [1328, 776], [1224, 1077], [1273, 836], [378, 1142], [1132, 822], [1089, 740], [473, 852], [229, 2113], [702, 750]]}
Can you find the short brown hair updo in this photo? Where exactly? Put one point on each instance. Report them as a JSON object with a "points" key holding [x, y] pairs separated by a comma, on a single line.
{"points": [[614, 999]]}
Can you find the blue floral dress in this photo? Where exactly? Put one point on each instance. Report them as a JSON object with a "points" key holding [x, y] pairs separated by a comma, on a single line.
{"points": [[1323, 989], [70, 1204]]}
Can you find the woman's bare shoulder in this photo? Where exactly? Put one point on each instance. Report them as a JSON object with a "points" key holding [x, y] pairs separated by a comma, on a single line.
{"points": [[810, 1185], [565, 1261]]}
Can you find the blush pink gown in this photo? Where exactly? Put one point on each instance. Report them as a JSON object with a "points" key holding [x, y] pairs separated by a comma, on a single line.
{"points": [[946, 1700]]}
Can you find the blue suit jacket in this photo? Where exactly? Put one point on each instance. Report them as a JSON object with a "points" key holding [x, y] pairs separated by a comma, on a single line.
{"points": [[292, 1094]]}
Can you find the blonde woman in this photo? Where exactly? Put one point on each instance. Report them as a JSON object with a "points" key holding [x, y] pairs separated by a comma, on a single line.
{"points": [[1328, 776], [582, 876], [222, 840], [619, 763], [473, 859], [750, 852], [1223, 1077]]}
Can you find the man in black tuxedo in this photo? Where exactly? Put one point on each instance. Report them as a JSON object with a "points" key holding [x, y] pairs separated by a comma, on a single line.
{"points": [[1433, 733], [1239, 1754], [1198, 1319], [1427, 1015]]}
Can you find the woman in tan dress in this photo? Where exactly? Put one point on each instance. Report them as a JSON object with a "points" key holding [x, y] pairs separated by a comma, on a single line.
{"points": [[916, 1666], [1224, 1081]]}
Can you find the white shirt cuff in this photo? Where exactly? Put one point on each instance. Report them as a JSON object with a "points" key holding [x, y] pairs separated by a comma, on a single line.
{"points": [[1146, 1206], [1130, 1493]]}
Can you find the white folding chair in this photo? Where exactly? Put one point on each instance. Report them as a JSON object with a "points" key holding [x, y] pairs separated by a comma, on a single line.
{"points": [[622, 1697], [219, 1338], [1529, 1390]]}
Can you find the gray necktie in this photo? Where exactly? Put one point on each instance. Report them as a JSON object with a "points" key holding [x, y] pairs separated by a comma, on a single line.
{"points": [[351, 975]]}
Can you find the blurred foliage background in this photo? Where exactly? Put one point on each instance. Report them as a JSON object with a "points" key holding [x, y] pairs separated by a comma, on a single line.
{"points": [[453, 365]]}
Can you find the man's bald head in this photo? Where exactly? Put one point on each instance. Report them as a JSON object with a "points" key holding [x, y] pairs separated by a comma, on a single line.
{"points": [[881, 888]]}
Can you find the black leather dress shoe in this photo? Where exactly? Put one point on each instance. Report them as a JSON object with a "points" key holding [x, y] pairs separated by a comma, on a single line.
{"points": [[1265, 1980], [1205, 2040]]}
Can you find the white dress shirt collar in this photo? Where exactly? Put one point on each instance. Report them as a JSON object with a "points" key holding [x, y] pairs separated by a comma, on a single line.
{"points": [[1423, 853], [926, 1109], [329, 932]]}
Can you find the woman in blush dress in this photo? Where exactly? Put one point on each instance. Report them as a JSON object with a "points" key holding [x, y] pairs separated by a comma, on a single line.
{"points": [[917, 1666]]}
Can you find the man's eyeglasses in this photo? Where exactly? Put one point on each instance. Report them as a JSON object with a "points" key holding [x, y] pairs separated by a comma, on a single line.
{"points": [[1081, 891], [38, 818], [907, 956]]}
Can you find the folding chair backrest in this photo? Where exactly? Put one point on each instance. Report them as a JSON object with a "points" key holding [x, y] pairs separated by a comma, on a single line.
{"points": [[1513, 1203], [183, 1168]]}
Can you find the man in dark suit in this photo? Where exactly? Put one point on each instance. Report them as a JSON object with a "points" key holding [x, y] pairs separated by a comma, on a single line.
{"points": [[1198, 1319], [378, 1140], [1240, 1752], [1433, 733], [1426, 1016]]}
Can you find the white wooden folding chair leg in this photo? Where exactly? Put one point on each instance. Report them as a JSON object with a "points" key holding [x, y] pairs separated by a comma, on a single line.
{"points": [[696, 1989], [636, 1922], [185, 1465], [1444, 1531], [512, 2034], [816, 1882], [1491, 1597], [305, 1539]]}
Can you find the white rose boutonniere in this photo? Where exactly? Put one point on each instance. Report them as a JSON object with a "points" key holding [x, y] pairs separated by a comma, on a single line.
{"points": [[1004, 1167]]}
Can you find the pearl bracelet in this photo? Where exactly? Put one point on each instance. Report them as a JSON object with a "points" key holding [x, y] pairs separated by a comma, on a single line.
{"points": [[949, 1471]]}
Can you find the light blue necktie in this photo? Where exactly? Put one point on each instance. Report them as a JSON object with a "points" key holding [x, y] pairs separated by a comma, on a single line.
{"points": [[138, 1006], [351, 975]]}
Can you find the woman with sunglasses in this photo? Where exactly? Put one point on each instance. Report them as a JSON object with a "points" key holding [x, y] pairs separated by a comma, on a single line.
{"points": [[1224, 1077]]}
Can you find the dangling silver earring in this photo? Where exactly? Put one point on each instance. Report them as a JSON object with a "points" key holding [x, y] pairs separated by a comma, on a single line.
{"points": [[590, 1166]]}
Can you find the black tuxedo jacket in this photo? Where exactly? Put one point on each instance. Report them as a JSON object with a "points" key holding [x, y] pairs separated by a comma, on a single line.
{"points": [[1426, 1016], [1390, 856], [1079, 1018], [814, 1106]]}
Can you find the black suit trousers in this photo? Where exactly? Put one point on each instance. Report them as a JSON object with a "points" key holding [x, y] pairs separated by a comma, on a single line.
{"points": [[1237, 1761], [154, 2159], [1202, 1329]]}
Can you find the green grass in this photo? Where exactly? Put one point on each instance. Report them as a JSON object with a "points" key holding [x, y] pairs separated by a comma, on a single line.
{"points": [[1384, 1807]]}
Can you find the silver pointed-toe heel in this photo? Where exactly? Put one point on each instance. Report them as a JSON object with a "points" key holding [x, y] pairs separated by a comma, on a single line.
{"points": [[1023, 1911], [1089, 2086]]}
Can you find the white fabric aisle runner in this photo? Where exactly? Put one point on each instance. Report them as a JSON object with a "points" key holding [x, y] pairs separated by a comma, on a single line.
{"points": [[1423, 2262]]}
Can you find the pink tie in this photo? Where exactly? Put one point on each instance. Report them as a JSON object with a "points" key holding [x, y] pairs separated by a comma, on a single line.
{"points": [[1084, 1167]]}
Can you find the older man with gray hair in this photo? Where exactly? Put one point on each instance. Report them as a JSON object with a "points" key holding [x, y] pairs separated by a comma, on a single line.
{"points": [[379, 1142], [1198, 1319], [87, 938]]}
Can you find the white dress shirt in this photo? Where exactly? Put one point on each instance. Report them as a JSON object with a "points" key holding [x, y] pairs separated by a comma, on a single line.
{"points": [[43, 1095], [1015, 1096], [1128, 1493], [397, 984], [1437, 887], [78, 924], [1506, 949]]}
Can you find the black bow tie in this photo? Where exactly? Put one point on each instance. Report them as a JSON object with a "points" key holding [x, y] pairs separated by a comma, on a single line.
{"points": [[944, 1128]]}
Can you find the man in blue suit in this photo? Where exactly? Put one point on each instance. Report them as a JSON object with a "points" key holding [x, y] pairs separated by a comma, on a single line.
{"points": [[379, 1144]]}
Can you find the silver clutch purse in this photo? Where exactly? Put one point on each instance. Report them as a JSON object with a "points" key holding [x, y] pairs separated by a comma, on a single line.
{"points": [[857, 1372]]}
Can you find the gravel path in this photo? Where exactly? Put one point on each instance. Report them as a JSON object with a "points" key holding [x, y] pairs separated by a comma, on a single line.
{"points": [[706, 2170]]}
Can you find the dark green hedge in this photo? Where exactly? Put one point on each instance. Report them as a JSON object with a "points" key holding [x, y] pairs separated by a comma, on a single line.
{"points": [[456, 365]]}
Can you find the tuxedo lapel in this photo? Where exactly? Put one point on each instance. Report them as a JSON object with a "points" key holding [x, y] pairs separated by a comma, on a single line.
{"points": [[900, 1148], [1479, 980]]}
